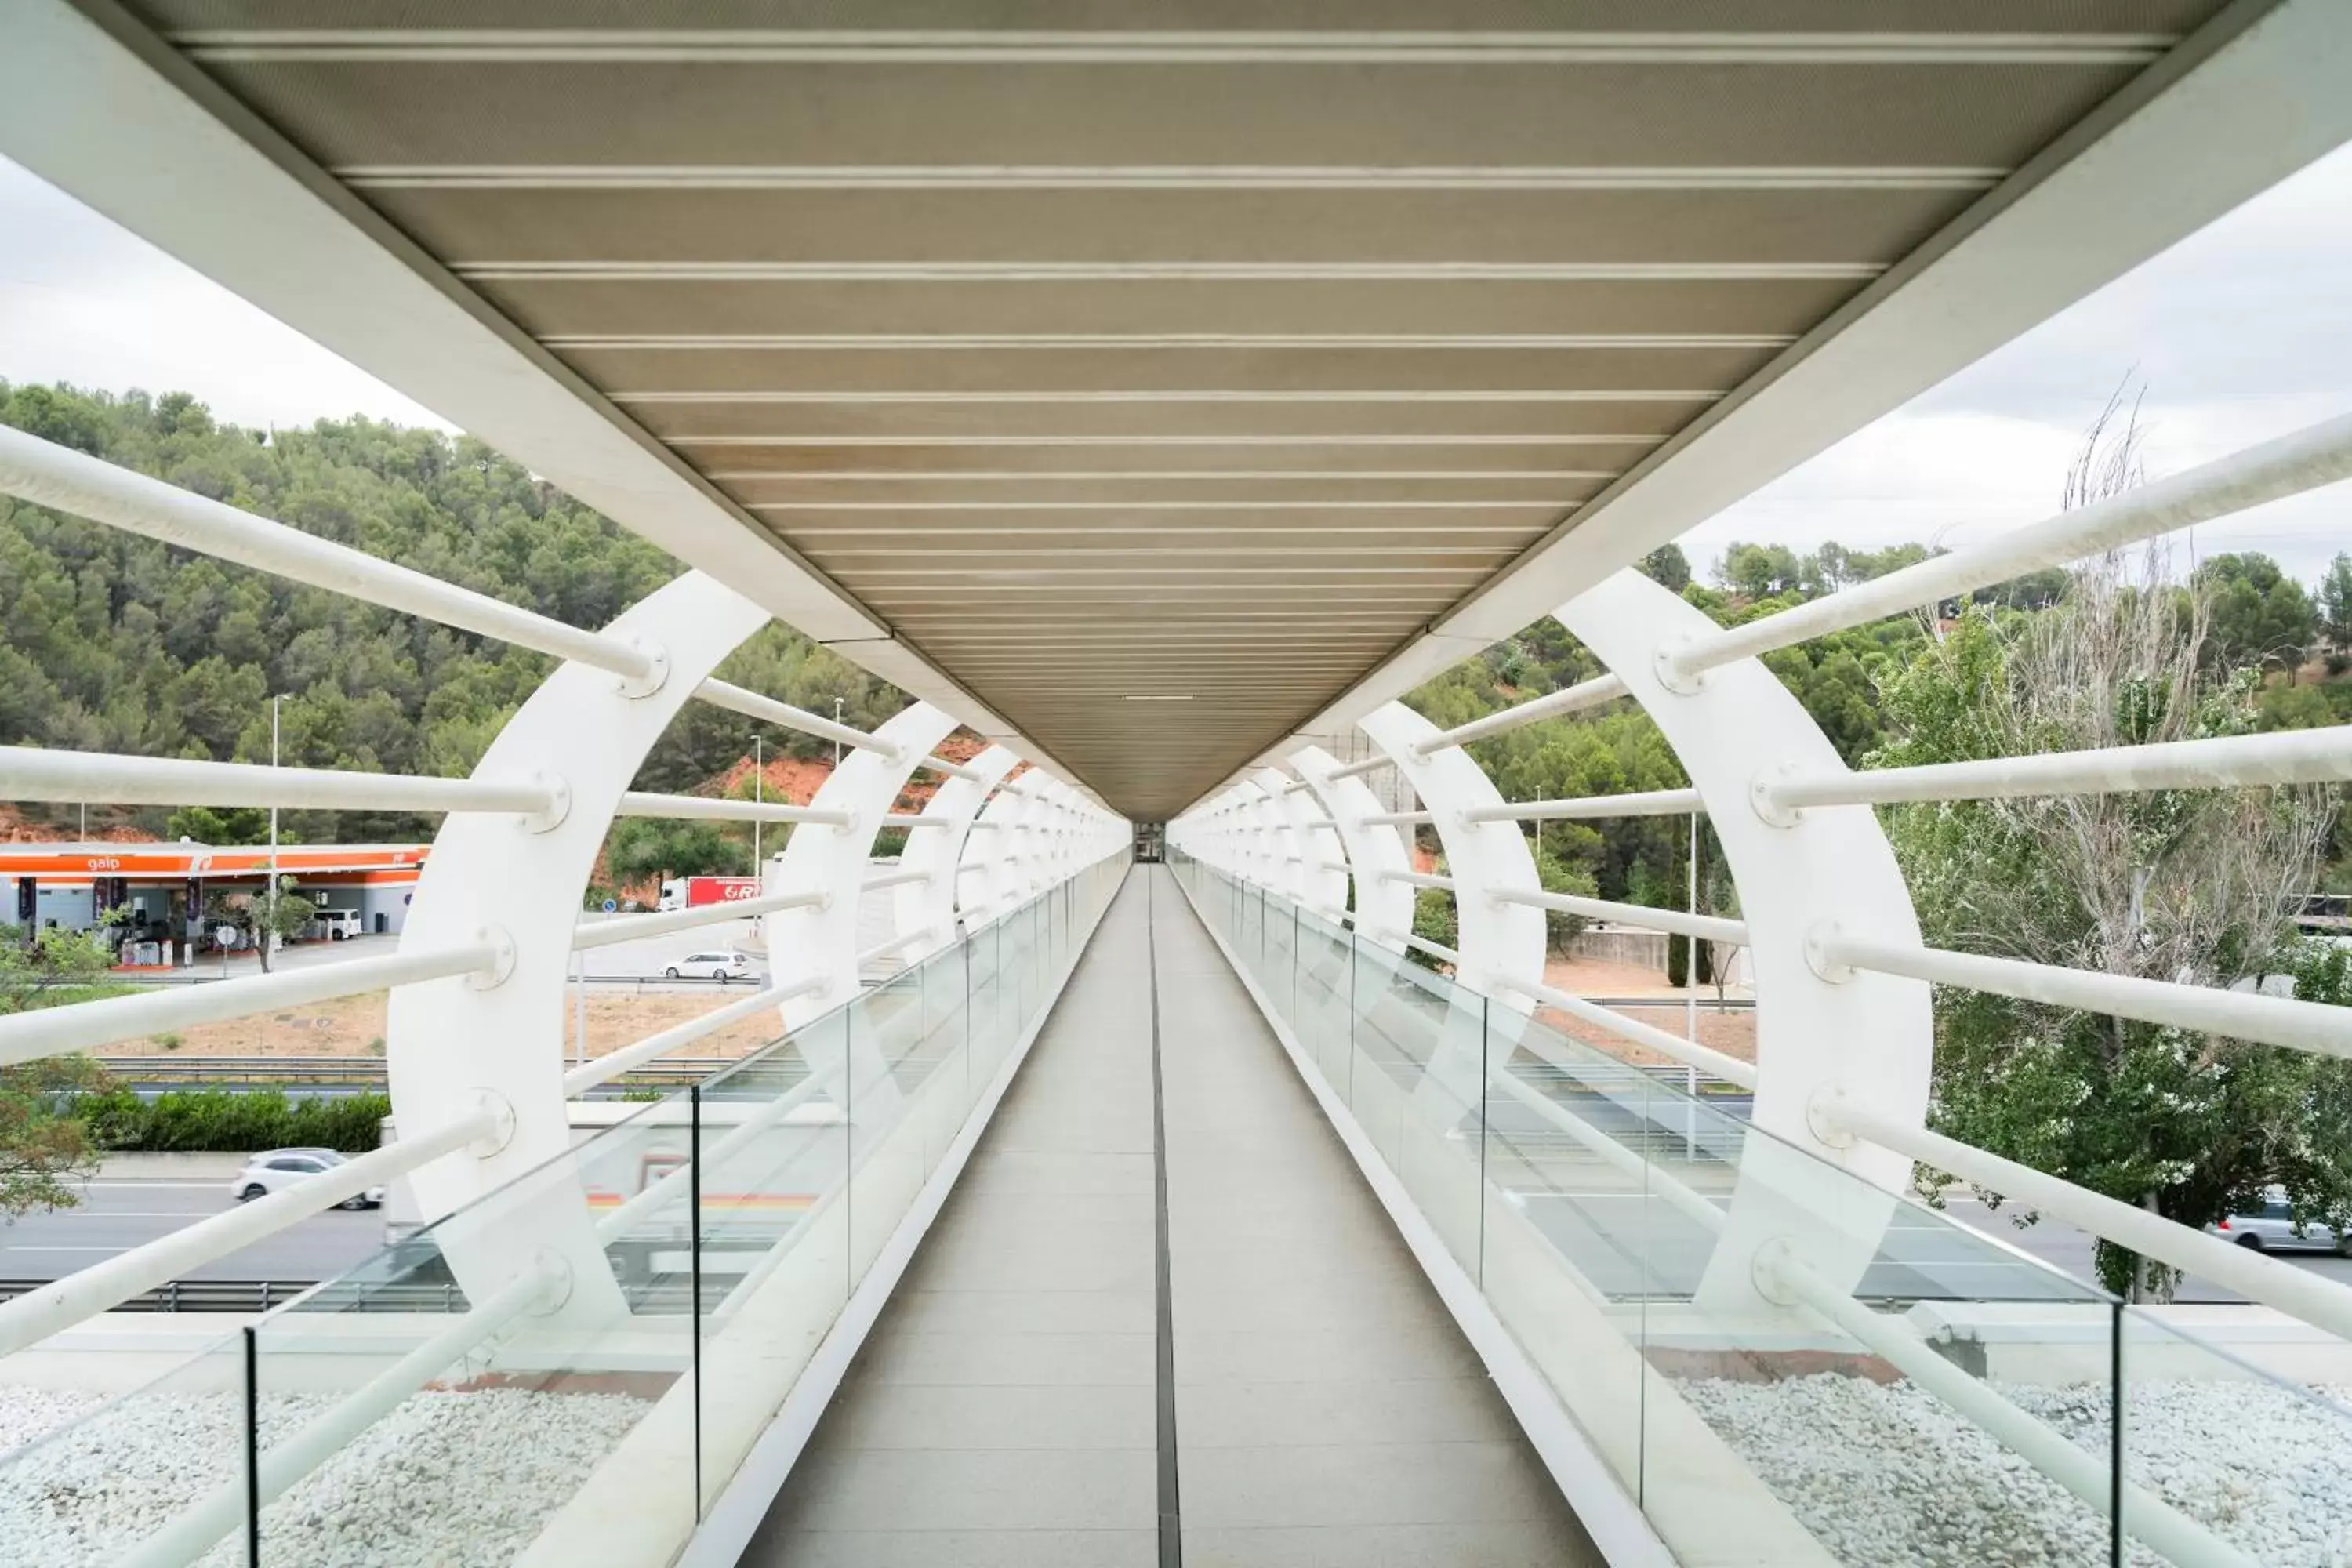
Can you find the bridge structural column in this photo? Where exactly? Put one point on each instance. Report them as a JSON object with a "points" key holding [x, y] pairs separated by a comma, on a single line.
{"points": [[820, 942], [929, 905], [1502, 945], [452, 1045], [1870, 1035], [1374, 851]]}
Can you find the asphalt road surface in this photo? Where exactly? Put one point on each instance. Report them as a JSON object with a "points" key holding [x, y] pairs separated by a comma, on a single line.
{"points": [[118, 1214]]}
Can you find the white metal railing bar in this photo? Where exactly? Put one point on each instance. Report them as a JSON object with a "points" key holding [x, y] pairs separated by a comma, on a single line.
{"points": [[1435, 950], [1706, 928], [1399, 818], [2306, 459], [628, 928], [915, 819], [628, 1058], [2177, 1538], [291, 1457], [1645, 803], [2315, 1027], [56, 476], [1332, 865], [904, 939], [1574, 699], [1651, 1176], [752, 705], [2228, 761], [86, 1026], [34, 773], [2257, 1276], [61, 1303], [1418, 879], [1355, 769], [893, 880], [703, 808], [938, 764], [674, 1183], [1674, 1047]]}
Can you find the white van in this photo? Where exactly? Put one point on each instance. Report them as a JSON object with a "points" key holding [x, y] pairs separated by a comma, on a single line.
{"points": [[337, 924]]}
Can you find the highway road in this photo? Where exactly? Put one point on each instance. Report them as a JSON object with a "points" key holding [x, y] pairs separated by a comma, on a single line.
{"points": [[118, 1214]]}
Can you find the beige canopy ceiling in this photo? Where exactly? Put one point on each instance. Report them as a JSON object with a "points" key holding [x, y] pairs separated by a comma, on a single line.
{"points": [[1157, 371]]}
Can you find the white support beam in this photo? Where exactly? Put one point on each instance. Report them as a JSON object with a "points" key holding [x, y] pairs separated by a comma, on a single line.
{"points": [[628, 1058], [1706, 928], [2316, 1026], [1568, 699], [1594, 807], [1674, 1047], [2227, 761], [630, 927], [66, 480], [31, 773], [707, 808], [33, 1317], [86, 1026]]}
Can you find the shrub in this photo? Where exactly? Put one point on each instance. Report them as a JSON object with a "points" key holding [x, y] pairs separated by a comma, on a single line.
{"points": [[219, 1121]]}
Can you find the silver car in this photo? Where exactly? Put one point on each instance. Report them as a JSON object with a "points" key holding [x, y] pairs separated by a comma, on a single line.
{"points": [[273, 1170], [2271, 1228]]}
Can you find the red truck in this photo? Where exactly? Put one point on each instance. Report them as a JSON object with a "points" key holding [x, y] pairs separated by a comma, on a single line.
{"points": [[693, 892]]}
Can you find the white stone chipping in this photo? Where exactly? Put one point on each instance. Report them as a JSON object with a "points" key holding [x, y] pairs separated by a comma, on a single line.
{"points": [[1887, 1477], [461, 1479]]}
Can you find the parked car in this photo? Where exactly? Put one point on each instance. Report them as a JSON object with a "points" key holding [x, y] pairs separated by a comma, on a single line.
{"points": [[720, 964], [274, 1170], [338, 925], [2271, 1228]]}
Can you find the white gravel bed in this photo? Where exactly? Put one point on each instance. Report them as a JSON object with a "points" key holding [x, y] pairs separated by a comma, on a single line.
{"points": [[459, 1479], [1888, 1477]]}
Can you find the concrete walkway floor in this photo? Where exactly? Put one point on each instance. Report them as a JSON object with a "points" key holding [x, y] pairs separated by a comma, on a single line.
{"points": [[1008, 1407]]}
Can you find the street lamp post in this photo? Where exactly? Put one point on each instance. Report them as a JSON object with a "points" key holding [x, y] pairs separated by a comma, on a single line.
{"points": [[837, 742], [759, 793], [269, 900]]}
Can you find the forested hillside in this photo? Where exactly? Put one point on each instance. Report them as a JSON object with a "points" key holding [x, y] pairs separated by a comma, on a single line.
{"points": [[111, 642]]}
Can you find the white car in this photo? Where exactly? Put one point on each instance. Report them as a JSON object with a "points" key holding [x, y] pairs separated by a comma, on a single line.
{"points": [[722, 965], [274, 1170], [2271, 1228]]}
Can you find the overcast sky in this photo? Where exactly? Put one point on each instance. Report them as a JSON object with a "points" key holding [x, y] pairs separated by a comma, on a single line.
{"points": [[2241, 332]]}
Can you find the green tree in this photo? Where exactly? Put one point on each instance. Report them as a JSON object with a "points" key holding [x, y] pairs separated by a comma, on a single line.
{"points": [[1668, 567], [43, 1144], [2336, 611], [643, 847], [2260, 615], [2171, 885], [227, 825]]}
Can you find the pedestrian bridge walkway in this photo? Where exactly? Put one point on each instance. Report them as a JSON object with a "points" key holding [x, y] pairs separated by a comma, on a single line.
{"points": [[1162, 1310]]}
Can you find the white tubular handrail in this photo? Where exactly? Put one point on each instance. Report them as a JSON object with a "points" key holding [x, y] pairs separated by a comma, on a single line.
{"points": [[35, 773], [54, 1031], [1706, 928], [2315, 1027], [2180, 1539], [953, 769], [1398, 818], [629, 928], [1574, 699], [1436, 950], [917, 819], [1645, 803], [628, 1058], [1418, 879], [702, 808], [784, 715], [64, 480], [61, 1303], [1357, 769], [1331, 866], [2257, 1276], [1690, 1053], [673, 1182], [904, 939], [291, 1457], [1653, 1175], [2226, 762], [893, 880], [2307, 458]]}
